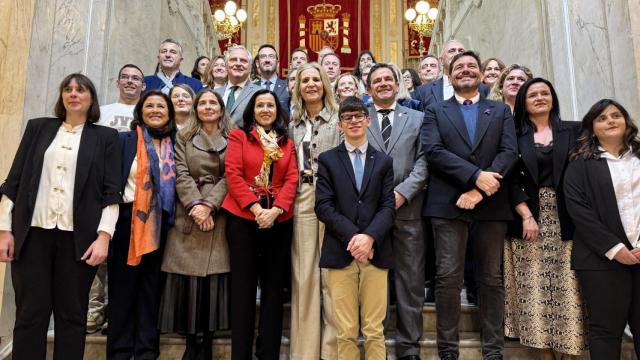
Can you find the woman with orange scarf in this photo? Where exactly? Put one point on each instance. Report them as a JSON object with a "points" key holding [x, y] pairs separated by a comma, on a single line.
{"points": [[262, 176], [146, 214]]}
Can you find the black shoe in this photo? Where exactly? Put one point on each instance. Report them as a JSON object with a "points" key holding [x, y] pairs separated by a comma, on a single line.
{"points": [[448, 356], [410, 357], [430, 297]]}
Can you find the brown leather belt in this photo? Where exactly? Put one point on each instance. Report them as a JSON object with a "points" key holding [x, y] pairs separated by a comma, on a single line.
{"points": [[306, 178]]}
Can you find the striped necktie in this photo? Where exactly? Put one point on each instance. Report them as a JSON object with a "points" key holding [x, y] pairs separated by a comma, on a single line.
{"points": [[386, 126]]}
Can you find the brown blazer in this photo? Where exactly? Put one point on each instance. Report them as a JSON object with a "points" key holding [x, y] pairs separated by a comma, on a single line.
{"points": [[200, 180]]}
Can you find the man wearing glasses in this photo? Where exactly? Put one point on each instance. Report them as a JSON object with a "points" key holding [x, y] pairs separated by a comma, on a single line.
{"points": [[354, 198], [269, 79], [395, 131]]}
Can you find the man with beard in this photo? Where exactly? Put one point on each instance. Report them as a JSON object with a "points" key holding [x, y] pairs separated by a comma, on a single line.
{"points": [[169, 59], [470, 145], [238, 90], [442, 89], [268, 64]]}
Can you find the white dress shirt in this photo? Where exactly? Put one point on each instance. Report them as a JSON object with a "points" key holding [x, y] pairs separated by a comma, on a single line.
{"points": [[447, 88], [54, 200], [625, 176], [380, 116], [227, 90]]}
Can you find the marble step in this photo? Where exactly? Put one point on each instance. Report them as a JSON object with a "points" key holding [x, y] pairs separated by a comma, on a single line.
{"points": [[172, 347]]}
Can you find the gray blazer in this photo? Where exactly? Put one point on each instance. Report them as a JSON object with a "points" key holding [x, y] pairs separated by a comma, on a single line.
{"points": [[241, 102], [409, 162]]}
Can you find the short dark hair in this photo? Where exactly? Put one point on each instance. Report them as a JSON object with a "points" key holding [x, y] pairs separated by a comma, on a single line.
{"points": [[93, 114], [520, 114], [137, 111], [352, 104], [280, 125], [471, 53], [125, 66], [357, 71], [267, 46], [194, 72], [415, 78], [381, 66]]}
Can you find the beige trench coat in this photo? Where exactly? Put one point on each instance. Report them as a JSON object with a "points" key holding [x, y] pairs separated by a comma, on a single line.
{"points": [[198, 253]]}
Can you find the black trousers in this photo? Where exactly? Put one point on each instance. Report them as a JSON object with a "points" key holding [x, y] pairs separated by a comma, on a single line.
{"points": [[612, 299], [257, 254], [48, 278], [450, 237], [134, 297]]}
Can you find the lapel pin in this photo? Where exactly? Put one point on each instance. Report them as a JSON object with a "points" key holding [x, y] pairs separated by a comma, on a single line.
{"points": [[487, 111]]}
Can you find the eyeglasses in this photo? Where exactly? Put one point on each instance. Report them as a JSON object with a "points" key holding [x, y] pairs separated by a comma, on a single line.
{"points": [[353, 117], [268, 56], [133, 78]]}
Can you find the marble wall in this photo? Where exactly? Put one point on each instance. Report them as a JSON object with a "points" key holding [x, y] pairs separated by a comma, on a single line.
{"points": [[589, 49]]}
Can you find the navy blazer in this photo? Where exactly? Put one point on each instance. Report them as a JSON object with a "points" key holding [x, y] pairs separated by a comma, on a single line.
{"points": [[524, 177], [591, 202], [153, 82], [431, 93], [345, 211], [280, 88], [453, 159], [96, 179]]}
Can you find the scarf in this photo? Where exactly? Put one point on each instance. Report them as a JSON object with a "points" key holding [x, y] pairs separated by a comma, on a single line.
{"points": [[272, 152], [168, 84], [155, 192]]}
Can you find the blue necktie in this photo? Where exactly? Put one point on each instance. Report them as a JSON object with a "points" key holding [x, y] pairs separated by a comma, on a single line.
{"points": [[267, 85], [471, 125], [357, 168]]}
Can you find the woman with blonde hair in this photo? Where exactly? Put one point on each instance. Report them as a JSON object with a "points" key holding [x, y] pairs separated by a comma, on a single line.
{"points": [[508, 84], [215, 75], [346, 85], [182, 96], [314, 129]]}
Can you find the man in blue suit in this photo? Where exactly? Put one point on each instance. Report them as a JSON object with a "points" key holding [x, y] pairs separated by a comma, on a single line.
{"points": [[470, 145], [355, 200], [168, 75], [442, 89], [269, 79]]}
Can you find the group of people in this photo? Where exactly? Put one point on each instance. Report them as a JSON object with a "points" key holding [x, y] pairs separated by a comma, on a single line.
{"points": [[189, 192]]}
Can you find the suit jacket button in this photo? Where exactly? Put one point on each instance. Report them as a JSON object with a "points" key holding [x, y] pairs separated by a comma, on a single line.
{"points": [[359, 201], [472, 157]]}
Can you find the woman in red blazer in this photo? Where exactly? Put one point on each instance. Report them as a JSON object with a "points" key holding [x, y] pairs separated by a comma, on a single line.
{"points": [[262, 176]]}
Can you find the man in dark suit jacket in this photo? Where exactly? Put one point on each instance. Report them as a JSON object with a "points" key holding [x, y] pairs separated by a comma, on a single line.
{"points": [[269, 79], [395, 131], [355, 199], [441, 89], [470, 144]]}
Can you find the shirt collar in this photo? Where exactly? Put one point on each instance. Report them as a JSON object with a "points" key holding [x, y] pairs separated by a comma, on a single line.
{"points": [[607, 155], [351, 148], [461, 99], [241, 85], [392, 107], [72, 129], [324, 115], [273, 79]]}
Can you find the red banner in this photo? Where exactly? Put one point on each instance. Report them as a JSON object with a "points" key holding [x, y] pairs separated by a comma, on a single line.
{"points": [[312, 24], [237, 36]]}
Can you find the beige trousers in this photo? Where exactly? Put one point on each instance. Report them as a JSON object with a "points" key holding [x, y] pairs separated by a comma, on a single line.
{"points": [[98, 292], [359, 294], [312, 331]]}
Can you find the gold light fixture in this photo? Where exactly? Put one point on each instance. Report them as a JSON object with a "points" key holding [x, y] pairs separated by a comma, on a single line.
{"points": [[421, 19], [228, 21]]}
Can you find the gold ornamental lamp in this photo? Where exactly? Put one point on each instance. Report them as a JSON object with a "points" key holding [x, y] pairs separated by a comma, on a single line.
{"points": [[421, 19], [228, 21]]}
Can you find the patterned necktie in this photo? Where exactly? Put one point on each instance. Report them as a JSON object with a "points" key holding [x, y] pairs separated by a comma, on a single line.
{"points": [[357, 168], [231, 98], [267, 85], [386, 126]]}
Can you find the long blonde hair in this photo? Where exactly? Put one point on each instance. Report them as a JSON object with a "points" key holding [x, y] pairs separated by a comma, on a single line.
{"points": [[328, 99], [496, 91]]}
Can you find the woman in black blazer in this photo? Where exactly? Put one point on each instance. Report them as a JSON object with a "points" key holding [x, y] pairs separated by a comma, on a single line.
{"points": [[57, 214], [602, 192], [543, 306], [146, 214]]}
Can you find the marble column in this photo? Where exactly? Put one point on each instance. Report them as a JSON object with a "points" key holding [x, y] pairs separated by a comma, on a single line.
{"points": [[15, 37], [589, 49]]}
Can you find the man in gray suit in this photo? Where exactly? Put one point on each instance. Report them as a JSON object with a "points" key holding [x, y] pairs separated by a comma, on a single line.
{"points": [[269, 79], [238, 89], [395, 131]]}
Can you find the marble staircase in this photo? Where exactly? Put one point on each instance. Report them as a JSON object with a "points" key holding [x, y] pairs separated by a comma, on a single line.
{"points": [[172, 346]]}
